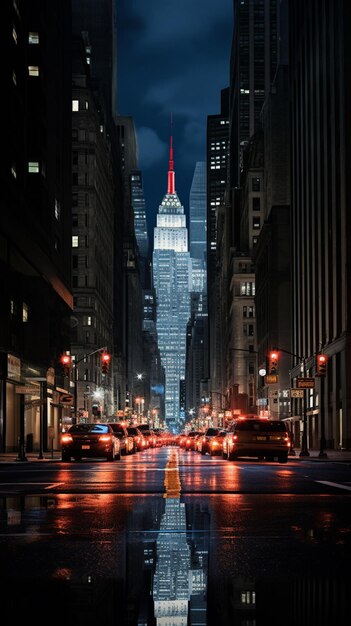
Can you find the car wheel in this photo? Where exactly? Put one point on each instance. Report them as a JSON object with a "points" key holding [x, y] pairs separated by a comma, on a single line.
{"points": [[77, 458], [118, 456], [110, 456], [224, 455], [66, 458], [269, 458], [232, 456], [283, 458]]}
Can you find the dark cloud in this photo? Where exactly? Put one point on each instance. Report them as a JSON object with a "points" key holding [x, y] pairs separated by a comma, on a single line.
{"points": [[173, 57]]}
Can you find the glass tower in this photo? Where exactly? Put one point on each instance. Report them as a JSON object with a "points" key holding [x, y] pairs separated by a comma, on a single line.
{"points": [[171, 262]]}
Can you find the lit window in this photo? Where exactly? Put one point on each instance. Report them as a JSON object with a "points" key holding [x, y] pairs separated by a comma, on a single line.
{"points": [[33, 38], [86, 105], [33, 70], [57, 209], [75, 105], [75, 241], [33, 167], [25, 312], [14, 78], [13, 170], [87, 320], [14, 35], [13, 308]]}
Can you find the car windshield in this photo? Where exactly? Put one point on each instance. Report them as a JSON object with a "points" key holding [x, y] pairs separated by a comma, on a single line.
{"points": [[89, 428], [132, 430], [263, 426]]}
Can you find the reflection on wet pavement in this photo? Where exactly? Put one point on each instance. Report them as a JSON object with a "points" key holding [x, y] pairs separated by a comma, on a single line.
{"points": [[143, 560]]}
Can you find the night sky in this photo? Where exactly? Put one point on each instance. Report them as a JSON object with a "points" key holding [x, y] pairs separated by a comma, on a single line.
{"points": [[173, 57]]}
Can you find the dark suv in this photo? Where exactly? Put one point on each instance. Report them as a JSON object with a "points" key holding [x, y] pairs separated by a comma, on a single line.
{"points": [[262, 438]]}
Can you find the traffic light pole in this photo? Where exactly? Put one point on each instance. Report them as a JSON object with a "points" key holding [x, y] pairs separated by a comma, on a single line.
{"points": [[322, 454], [304, 448], [104, 348]]}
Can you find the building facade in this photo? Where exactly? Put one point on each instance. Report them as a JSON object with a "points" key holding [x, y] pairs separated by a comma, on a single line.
{"points": [[170, 263]]}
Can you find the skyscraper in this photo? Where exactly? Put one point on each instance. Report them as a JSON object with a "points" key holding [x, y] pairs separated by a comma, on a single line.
{"points": [[197, 206], [171, 261]]}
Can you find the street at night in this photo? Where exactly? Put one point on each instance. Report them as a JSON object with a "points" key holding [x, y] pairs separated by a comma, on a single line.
{"points": [[90, 529]]}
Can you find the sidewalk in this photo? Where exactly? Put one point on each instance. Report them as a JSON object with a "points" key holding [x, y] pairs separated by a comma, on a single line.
{"points": [[343, 456]]}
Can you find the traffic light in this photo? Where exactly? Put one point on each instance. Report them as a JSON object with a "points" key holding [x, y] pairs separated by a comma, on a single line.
{"points": [[105, 362], [273, 362], [66, 364], [321, 364]]}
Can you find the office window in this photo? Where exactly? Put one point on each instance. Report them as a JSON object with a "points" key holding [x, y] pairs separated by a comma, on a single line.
{"points": [[14, 170], [57, 210], [256, 223], [74, 261], [256, 184], [33, 70], [33, 167], [75, 105], [256, 204], [14, 35], [87, 320], [74, 220], [75, 241], [33, 38], [25, 312]]}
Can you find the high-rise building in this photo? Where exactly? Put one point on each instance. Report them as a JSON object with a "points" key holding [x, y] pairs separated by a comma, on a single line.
{"points": [[253, 67], [217, 174], [171, 261], [197, 213]]}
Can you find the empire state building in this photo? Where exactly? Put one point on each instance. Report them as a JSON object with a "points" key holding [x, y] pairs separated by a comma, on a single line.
{"points": [[171, 262]]}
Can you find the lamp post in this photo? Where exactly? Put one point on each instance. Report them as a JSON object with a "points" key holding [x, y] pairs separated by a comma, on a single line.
{"points": [[86, 356]]}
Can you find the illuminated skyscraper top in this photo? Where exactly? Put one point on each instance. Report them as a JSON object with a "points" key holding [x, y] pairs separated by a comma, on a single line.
{"points": [[171, 261]]}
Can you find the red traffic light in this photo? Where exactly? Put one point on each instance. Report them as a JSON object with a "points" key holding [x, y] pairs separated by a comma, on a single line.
{"points": [[105, 362], [66, 364], [321, 364], [273, 362]]}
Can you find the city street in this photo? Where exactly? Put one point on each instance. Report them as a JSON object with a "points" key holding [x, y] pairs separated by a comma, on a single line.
{"points": [[262, 538]]}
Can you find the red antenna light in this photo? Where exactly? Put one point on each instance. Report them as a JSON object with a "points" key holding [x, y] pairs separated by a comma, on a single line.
{"points": [[171, 173]]}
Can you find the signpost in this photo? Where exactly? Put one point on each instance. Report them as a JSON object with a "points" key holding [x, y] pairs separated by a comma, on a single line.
{"points": [[296, 393], [305, 383]]}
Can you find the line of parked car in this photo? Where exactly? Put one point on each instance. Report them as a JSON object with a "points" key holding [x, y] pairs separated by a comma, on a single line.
{"points": [[247, 436], [109, 440]]}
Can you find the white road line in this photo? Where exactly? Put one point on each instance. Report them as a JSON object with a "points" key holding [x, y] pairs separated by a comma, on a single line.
{"points": [[330, 484]]}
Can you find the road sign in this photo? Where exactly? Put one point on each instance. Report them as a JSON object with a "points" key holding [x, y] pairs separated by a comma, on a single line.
{"points": [[30, 389], [296, 393], [305, 383], [271, 379], [66, 399]]}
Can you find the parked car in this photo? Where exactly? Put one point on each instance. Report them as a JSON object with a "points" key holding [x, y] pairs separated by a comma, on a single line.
{"points": [[262, 438], [90, 441], [126, 440], [138, 438], [204, 441]]}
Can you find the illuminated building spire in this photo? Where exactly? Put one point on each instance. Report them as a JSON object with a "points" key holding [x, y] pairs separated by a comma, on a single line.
{"points": [[171, 172]]}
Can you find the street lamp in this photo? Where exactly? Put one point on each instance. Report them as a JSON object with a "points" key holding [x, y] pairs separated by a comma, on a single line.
{"points": [[75, 363]]}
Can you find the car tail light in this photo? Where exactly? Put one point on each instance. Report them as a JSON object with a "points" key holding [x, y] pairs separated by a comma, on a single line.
{"points": [[66, 438], [235, 437], [287, 440], [106, 438]]}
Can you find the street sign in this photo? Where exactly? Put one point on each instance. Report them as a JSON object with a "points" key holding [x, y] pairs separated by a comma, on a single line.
{"points": [[30, 389], [271, 379], [66, 399], [296, 393], [305, 383]]}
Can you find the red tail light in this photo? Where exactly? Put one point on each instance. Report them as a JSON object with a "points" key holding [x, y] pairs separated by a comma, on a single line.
{"points": [[66, 438], [106, 438]]}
